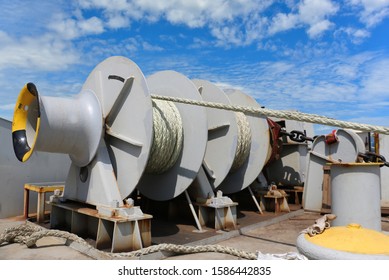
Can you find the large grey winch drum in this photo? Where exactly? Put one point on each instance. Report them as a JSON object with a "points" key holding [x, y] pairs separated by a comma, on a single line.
{"points": [[355, 194]]}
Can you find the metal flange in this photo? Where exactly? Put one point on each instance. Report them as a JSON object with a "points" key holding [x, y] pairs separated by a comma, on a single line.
{"points": [[177, 179], [260, 145], [121, 89], [345, 149], [222, 133]]}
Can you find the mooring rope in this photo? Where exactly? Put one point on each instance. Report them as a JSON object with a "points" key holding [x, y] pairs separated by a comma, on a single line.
{"points": [[168, 137], [244, 141], [320, 225], [282, 114], [29, 234]]}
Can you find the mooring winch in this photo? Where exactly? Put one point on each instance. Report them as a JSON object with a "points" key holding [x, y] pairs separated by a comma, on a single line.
{"points": [[120, 139]]}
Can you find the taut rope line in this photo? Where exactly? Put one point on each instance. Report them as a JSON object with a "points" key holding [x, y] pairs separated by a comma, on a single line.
{"points": [[282, 114]]}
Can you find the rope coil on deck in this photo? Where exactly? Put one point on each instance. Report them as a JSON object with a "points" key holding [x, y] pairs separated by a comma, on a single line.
{"points": [[28, 234]]}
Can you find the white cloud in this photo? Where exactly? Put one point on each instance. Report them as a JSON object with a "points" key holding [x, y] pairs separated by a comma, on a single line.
{"points": [[282, 22], [376, 80], [278, 68], [318, 28], [232, 22], [45, 53], [72, 28], [313, 14], [314, 11], [346, 71], [337, 86], [91, 25], [372, 11], [228, 35], [118, 21], [356, 35], [149, 47], [22, 15], [235, 22], [193, 13]]}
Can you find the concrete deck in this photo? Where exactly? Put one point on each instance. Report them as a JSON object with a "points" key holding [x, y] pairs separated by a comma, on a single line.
{"points": [[271, 234]]}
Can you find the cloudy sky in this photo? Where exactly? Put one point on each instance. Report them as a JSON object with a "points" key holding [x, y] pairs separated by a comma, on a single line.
{"points": [[316, 56]]}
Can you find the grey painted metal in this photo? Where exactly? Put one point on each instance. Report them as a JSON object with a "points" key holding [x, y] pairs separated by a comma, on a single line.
{"points": [[222, 133], [129, 131], [356, 194], [313, 192], [346, 150], [41, 167], [175, 181], [106, 130], [124, 147], [201, 187], [290, 168], [100, 187], [70, 126], [384, 151], [259, 149]]}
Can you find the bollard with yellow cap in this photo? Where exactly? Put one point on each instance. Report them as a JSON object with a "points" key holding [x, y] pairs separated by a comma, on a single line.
{"points": [[351, 242]]}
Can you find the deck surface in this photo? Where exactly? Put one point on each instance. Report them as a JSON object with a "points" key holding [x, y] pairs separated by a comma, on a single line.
{"points": [[269, 233]]}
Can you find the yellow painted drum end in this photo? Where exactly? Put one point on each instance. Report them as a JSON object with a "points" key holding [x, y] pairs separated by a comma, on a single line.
{"points": [[26, 97]]}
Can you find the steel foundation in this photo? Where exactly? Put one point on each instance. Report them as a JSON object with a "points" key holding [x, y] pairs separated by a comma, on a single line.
{"points": [[116, 234], [219, 217]]}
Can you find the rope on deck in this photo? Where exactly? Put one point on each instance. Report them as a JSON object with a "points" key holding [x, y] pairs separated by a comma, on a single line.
{"points": [[28, 234]]}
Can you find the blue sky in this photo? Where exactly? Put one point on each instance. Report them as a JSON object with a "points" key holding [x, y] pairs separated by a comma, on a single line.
{"points": [[316, 56]]}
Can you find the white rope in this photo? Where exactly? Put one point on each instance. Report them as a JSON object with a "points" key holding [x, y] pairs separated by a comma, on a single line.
{"points": [[29, 235], [244, 141], [289, 115], [168, 137], [320, 225]]}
